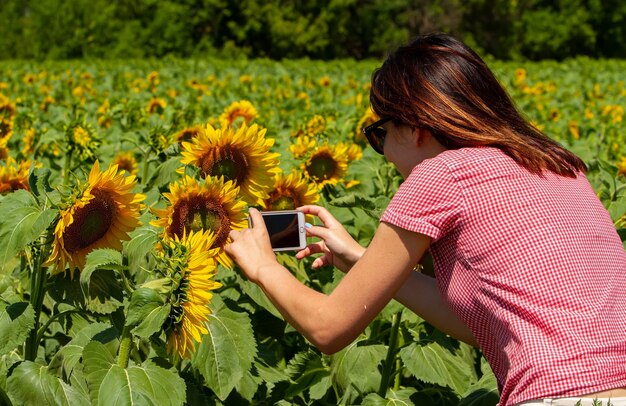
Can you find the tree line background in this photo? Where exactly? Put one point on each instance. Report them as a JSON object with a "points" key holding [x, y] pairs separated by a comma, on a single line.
{"points": [[504, 29]]}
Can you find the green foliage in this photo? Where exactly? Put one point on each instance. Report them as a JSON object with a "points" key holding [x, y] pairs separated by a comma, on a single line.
{"points": [[146, 312], [16, 320], [227, 351], [98, 280], [22, 222], [61, 29], [71, 340], [31, 384], [110, 384]]}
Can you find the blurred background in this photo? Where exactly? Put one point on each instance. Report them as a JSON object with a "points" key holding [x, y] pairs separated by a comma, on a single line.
{"points": [[503, 29]]}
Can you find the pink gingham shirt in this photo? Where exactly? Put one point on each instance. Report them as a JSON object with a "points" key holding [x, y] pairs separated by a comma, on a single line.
{"points": [[532, 264]]}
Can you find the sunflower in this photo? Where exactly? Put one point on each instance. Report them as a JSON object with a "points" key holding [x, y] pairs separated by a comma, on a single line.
{"points": [[190, 261], [4, 150], [7, 109], [212, 205], [102, 214], [368, 118], [574, 130], [125, 160], [45, 104], [156, 105], [290, 192], [187, 134], [303, 145], [13, 175], [324, 81], [104, 117], [153, 78], [81, 140], [354, 152], [621, 167], [81, 137], [242, 108], [315, 125], [29, 142], [327, 165], [520, 76], [242, 157], [6, 128]]}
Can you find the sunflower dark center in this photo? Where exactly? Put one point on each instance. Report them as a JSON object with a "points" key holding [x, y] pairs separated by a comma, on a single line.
{"points": [[125, 164], [91, 222], [199, 213], [282, 201], [231, 163], [322, 167], [5, 128]]}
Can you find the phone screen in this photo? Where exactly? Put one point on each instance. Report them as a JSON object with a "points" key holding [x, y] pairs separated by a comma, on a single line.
{"points": [[283, 230]]}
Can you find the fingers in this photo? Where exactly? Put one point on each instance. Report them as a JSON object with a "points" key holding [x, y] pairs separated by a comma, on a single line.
{"points": [[320, 262], [315, 248], [257, 223], [320, 212], [319, 232]]}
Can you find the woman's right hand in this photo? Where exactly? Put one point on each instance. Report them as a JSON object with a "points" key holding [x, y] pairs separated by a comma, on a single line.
{"points": [[336, 245]]}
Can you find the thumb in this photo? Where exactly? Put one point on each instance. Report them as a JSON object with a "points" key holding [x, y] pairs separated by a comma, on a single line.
{"points": [[256, 220]]}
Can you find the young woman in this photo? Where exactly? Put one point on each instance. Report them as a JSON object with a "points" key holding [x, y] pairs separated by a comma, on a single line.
{"points": [[529, 266]]}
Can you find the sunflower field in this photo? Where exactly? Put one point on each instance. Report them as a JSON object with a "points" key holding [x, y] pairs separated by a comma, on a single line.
{"points": [[119, 185]]}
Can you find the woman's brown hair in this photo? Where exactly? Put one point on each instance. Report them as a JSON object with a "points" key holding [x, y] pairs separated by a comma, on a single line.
{"points": [[438, 83]]}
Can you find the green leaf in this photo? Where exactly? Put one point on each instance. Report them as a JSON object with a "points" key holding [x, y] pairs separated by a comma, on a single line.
{"points": [[6, 364], [484, 392], [16, 321], [227, 351], [248, 385], [617, 209], [21, 223], [319, 390], [254, 292], [357, 365], [147, 311], [141, 244], [305, 369], [39, 181], [110, 384], [97, 360], [165, 173], [400, 397], [354, 200], [106, 258], [69, 355], [432, 363], [31, 384], [62, 288], [98, 282]]}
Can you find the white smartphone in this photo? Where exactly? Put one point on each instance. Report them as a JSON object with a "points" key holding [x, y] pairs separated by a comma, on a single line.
{"points": [[286, 229]]}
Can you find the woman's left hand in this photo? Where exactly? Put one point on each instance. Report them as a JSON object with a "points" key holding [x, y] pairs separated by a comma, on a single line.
{"points": [[251, 248]]}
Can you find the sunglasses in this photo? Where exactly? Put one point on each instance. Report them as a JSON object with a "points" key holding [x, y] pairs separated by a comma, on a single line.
{"points": [[376, 134]]}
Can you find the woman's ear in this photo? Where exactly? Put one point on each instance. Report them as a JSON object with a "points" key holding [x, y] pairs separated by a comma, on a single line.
{"points": [[418, 136]]}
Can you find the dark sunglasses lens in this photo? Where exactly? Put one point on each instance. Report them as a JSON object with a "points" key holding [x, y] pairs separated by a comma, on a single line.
{"points": [[379, 138], [376, 138]]}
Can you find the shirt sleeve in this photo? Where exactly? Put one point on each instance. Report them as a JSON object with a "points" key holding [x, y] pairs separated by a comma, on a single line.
{"points": [[429, 201]]}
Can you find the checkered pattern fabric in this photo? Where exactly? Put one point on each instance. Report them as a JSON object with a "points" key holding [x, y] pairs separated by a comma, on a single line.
{"points": [[532, 264]]}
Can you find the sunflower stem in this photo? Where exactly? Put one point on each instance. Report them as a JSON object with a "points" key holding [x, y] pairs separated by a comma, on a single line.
{"points": [[389, 365], [124, 351], [52, 318], [144, 172], [37, 294], [66, 167], [129, 289]]}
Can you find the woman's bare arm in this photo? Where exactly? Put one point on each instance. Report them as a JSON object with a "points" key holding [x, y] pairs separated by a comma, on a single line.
{"points": [[421, 295]]}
